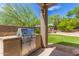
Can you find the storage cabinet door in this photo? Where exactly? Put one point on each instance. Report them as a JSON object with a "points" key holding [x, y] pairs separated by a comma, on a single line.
{"points": [[12, 47]]}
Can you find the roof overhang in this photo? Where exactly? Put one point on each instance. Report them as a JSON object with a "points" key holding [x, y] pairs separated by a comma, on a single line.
{"points": [[47, 5]]}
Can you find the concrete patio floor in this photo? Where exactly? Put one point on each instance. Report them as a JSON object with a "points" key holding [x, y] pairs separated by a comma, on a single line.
{"points": [[45, 52], [50, 51]]}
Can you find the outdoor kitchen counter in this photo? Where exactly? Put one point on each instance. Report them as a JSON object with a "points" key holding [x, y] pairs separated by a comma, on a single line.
{"points": [[32, 45], [10, 46], [13, 46], [8, 37]]}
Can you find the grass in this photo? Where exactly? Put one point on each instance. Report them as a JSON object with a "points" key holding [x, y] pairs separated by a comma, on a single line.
{"points": [[65, 40]]}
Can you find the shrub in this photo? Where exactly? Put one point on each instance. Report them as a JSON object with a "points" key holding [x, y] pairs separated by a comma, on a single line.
{"points": [[67, 25], [37, 30]]}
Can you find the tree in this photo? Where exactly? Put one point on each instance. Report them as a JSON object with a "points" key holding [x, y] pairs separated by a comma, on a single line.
{"points": [[74, 11], [18, 14], [68, 24], [54, 19]]}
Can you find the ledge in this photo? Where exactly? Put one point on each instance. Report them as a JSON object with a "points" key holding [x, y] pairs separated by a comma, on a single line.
{"points": [[8, 37]]}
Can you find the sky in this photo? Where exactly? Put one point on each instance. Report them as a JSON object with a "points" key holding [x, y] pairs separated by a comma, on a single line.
{"points": [[61, 8]]}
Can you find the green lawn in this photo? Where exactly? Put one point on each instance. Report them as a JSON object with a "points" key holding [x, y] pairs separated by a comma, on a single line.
{"points": [[65, 40]]}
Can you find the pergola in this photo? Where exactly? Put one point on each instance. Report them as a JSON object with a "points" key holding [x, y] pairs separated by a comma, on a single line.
{"points": [[44, 22]]}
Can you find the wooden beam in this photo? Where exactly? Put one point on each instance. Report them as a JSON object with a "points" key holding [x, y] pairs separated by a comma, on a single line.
{"points": [[47, 5], [44, 26]]}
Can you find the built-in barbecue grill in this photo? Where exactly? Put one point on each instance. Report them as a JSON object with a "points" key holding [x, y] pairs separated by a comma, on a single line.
{"points": [[28, 39], [26, 34]]}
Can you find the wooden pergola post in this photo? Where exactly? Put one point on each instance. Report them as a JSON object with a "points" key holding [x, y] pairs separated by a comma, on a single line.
{"points": [[44, 22], [44, 25]]}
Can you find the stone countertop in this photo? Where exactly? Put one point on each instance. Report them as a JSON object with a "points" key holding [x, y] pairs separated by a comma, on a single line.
{"points": [[13, 36], [8, 37]]}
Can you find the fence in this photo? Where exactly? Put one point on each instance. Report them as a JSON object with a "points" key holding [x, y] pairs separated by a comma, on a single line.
{"points": [[9, 30]]}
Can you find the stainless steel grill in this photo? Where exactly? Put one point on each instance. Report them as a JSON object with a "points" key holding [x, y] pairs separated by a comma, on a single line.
{"points": [[28, 39]]}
